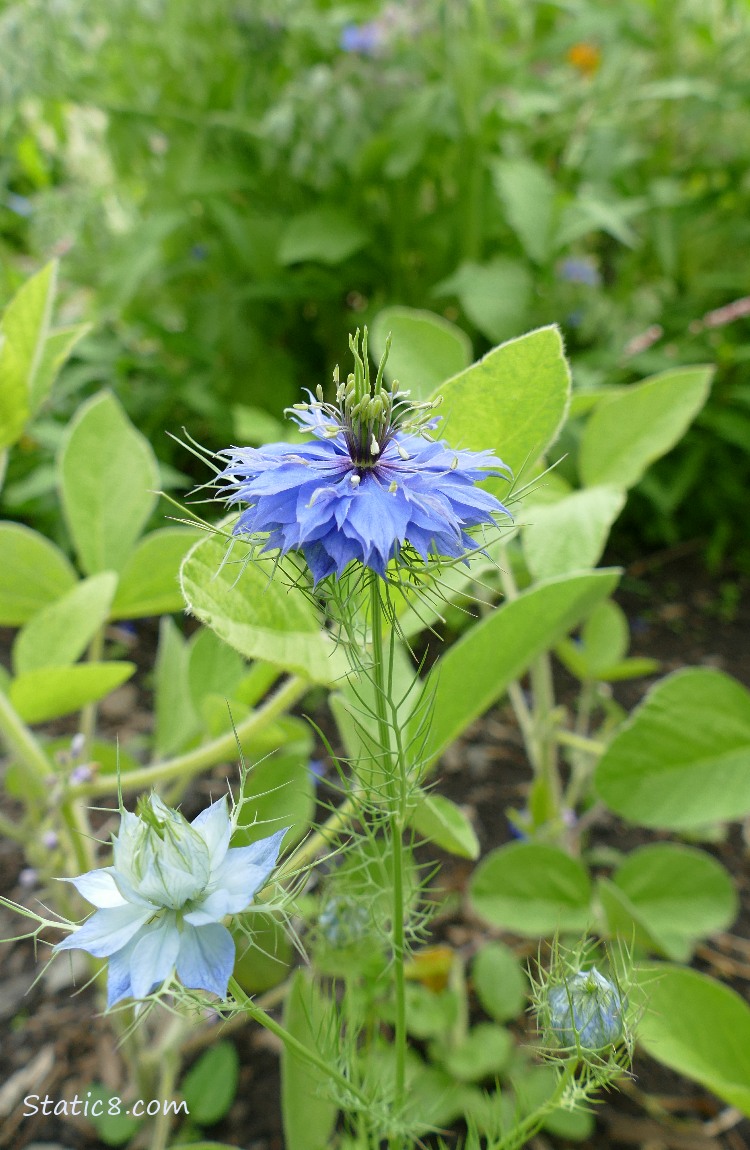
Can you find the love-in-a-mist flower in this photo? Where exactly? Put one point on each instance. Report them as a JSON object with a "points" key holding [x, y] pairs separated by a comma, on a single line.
{"points": [[586, 1011], [160, 906], [372, 482]]}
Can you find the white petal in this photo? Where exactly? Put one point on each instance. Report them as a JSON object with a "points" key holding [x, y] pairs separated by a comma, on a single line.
{"points": [[206, 958], [108, 930], [153, 957], [99, 887], [212, 909], [215, 827], [245, 870]]}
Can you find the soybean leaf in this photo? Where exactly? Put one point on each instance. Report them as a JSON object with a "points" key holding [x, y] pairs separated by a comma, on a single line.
{"points": [[484, 1053], [56, 349], [33, 574], [23, 331], [677, 894], [210, 1085], [532, 888], [61, 632], [325, 235], [176, 721], [213, 667], [149, 582], [513, 400], [108, 474], [260, 618], [279, 792], [682, 758], [499, 982], [309, 1114], [495, 296], [699, 1028], [426, 349], [49, 692], [570, 533], [477, 670], [114, 1128], [527, 193], [438, 819], [626, 433]]}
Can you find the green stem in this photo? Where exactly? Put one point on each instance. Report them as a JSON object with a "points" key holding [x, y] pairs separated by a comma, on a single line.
{"points": [[258, 1014], [223, 747], [580, 742], [398, 787], [167, 1081], [546, 728], [89, 712], [20, 740], [525, 1130]]}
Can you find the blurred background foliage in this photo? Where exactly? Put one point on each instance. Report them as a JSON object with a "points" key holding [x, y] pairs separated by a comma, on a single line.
{"points": [[233, 185]]}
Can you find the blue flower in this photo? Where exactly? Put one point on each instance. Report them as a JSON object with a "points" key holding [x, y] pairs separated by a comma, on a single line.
{"points": [[579, 271], [160, 906], [365, 39], [586, 1011], [370, 484]]}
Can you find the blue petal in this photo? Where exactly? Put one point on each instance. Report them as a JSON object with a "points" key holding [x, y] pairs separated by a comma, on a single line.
{"points": [[245, 870], [108, 930], [99, 888], [206, 958], [215, 827], [153, 956]]}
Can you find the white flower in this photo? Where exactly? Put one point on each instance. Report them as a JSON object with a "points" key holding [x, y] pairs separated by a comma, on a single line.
{"points": [[159, 908]]}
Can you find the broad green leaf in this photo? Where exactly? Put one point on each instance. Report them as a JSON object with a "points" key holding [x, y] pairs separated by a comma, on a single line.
{"points": [[114, 1129], [495, 296], [210, 1085], [678, 894], [512, 401], [176, 721], [61, 632], [213, 667], [683, 758], [527, 193], [699, 1028], [500, 983], [264, 951], [309, 1114], [23, 329], [149, 583], [570, 534], [438, 819], [108, 474], [57, 347], [258, 616], [627, 432], [49, 692], [426, 348], [603, 644], [279, 792], [476, 671], [484, 1053], [33, 574], [324, 235], [531, 889]]}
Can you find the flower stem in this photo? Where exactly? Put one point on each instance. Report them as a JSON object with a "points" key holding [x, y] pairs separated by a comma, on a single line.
{"points": [[223, 747], [382, 681], [22, 741]]}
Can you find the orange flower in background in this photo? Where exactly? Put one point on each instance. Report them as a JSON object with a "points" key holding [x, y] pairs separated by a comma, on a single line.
{"points": [[584, 57]]}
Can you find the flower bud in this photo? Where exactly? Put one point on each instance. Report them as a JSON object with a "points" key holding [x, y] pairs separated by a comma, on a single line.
{"points": [[586, 1011], [167, 859]]}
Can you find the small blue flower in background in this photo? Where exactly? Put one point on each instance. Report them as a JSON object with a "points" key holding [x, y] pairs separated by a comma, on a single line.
{"points": [[371, 482], [586, 1011], [365, 39], [579, 271], [160, 906], [20, 205]]}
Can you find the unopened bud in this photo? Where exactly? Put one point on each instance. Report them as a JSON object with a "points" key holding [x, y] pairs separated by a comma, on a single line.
{"points": [[586, 1011]]}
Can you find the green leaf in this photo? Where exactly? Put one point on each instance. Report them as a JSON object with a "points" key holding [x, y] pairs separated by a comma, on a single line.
{"points": [[533, 1090], [476, 671], [699, 1028], [210, 1085], [426, 348], [176, 721], [279, 792], [113, 1129], [57, 347], [213, 667], [531, 889], [309, 1114], [438, 819], [571, 533], [259, 617], [602, 647], [677, 894], [264, 951], [495, 296], [61, 632], [626, 433], [513, 401], [682, 759], [499, 981], [33, 574], [23, 331], [149, 583], [527, 193], [485, 1053], [108, 474], [324, 235], [49, 692]]}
